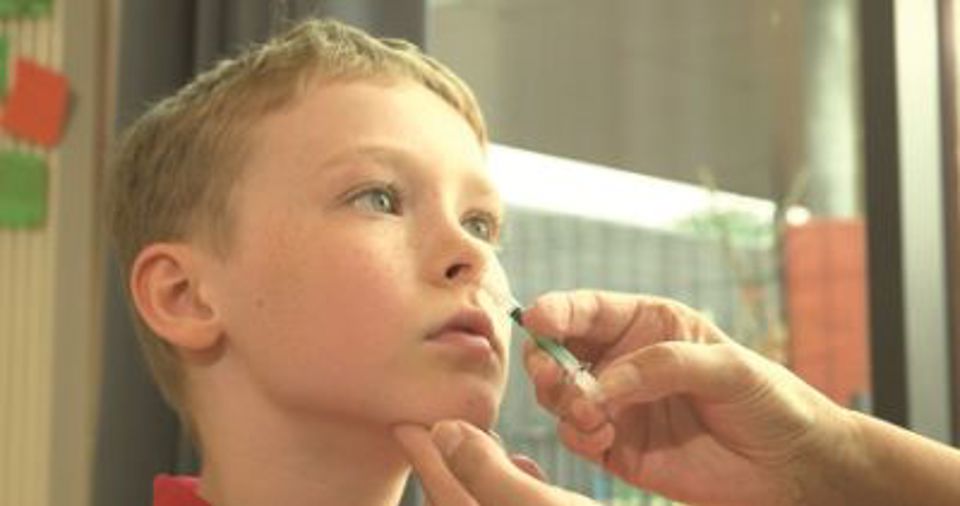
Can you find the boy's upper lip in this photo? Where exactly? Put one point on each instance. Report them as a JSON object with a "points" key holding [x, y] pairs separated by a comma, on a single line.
{"points": [[472, 321]]}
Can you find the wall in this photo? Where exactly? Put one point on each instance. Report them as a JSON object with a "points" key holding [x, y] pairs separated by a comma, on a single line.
{"points": [[50, 277]]}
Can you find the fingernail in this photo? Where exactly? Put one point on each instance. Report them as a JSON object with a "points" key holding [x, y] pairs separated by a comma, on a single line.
{"points": [[447, 436], [496, 437], [619, 379]]}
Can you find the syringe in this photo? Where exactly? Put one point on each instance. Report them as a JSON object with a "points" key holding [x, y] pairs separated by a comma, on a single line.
{"points": [[496, 284]]}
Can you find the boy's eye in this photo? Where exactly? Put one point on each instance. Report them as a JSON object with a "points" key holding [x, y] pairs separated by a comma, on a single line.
{"points": [[481, 226], [378, 200]]}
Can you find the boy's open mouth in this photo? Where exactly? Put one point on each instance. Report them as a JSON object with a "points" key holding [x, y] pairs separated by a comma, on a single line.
{"points": [[470, 329]]}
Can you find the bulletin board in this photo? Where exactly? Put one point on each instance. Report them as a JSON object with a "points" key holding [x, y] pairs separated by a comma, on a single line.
{"points": [[34, 96], [29, 164]]}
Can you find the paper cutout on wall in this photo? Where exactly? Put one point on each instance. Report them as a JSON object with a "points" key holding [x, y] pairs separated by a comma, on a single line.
{"points": [[37, 104], [4, 55], [23, 190], [30, 8]]}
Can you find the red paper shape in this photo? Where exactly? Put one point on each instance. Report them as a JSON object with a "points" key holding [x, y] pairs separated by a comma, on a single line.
{"points": [[37, 104]]}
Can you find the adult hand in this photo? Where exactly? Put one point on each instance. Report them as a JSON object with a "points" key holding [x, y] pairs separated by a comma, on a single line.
{"points": [[686, 411], [460, 465]]}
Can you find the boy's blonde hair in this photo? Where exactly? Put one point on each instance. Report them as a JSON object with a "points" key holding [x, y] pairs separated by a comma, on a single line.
{"points": [[174, 169]]}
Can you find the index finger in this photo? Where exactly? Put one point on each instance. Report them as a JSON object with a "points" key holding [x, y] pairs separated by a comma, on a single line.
{"points": [[589, 322], [440, 485]]}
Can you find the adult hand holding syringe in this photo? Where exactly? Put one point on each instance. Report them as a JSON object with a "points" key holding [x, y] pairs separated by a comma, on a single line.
{"points": [[679, 408], [684, 411]]}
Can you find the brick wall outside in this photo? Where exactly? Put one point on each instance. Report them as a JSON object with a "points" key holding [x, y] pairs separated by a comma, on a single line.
{"points": [[825, 290]]}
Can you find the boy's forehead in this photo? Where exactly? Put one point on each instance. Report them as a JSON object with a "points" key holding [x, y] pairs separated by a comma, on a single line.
{"points": [[337, 116], [473, 172], [335, 127]]}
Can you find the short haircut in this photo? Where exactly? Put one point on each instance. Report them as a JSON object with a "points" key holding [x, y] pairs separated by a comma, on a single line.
{"points": [[172, 173]]}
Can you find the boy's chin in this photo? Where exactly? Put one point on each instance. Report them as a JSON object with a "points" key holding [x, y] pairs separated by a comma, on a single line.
{"points": [[478, 408]]}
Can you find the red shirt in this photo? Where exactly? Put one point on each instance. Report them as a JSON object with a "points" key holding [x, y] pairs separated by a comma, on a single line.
{"points": [[176, 491]]}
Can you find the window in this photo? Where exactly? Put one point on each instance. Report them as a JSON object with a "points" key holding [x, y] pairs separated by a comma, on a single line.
{"points": [[716, 152]]}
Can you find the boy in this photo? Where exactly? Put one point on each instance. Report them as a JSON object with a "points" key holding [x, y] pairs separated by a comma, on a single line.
{"points": [[303, 229]]}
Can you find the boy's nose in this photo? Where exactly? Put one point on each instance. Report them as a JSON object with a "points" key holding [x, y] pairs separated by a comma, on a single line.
{"points": [[460, 258], [465, 266], [459, 270]]}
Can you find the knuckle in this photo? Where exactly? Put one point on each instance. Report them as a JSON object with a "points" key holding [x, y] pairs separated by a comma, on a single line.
{"points": [[742, 375], [668, 354], [666, 322], [593, 304]]}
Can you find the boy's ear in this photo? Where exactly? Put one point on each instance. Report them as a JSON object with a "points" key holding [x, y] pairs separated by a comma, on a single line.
{"points": [[168, 292]]}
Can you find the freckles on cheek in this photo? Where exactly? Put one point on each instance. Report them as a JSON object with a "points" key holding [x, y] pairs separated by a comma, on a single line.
{"points": [[368, 278], [284, 252], [365, 301], [272, 283]]}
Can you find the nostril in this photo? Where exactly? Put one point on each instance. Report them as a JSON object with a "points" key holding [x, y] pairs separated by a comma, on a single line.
{"points": [[456, 270]]}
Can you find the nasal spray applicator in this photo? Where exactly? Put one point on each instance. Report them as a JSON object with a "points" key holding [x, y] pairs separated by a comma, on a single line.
{"points": [[495, 283]]}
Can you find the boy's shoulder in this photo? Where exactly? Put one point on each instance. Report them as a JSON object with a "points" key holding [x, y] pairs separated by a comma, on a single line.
{"points": [[176, 491]]}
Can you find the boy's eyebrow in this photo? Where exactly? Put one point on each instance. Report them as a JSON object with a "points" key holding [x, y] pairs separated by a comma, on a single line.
{"points": [[399, 158]]}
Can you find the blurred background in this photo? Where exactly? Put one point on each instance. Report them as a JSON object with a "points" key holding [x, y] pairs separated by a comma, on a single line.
{"points": [[788, 167]]}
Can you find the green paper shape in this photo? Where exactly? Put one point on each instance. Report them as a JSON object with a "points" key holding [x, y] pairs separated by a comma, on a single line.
{"points": [[23, 190], [4, 55], [25, 8]]}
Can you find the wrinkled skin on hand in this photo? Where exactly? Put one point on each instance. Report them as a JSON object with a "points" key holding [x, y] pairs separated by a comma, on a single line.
{"points": [[687, 412]]}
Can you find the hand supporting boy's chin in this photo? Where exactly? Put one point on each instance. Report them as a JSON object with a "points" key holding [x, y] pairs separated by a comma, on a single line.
{"points": [[460, 465]]}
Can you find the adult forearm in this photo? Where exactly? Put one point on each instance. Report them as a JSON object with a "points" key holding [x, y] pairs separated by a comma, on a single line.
{"points": [[910, 468], [885, 465]]}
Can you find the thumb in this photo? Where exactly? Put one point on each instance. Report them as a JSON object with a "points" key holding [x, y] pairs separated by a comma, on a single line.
{"points": [[715, 372], [529, 466], [483, 469]]}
